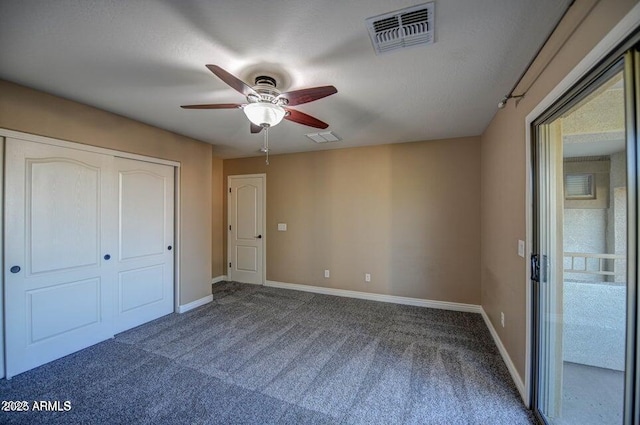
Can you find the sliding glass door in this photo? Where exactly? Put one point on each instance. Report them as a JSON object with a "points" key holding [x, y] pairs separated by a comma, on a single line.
{"points": [[585, 235]]}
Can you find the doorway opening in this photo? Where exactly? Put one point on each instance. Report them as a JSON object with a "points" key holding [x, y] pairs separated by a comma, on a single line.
{"points": [[584, 266]]}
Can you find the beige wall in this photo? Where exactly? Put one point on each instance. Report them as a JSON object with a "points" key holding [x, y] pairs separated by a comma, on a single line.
{"points": [[217, 216], [503, 273], [406, 213], [35, 112]]}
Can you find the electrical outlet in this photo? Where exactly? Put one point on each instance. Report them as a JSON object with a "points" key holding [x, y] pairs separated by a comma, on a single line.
{"points": [[367, 277], [502, 318], [327, 274]]}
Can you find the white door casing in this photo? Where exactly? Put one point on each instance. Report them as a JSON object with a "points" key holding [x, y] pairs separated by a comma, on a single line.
{"points": [[2, 373], [145, 256], [247, 238], [57, 295]]}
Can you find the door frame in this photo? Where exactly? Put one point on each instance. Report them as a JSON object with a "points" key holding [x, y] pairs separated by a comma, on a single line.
{"points": [[2, 359], [263, 177], [5, 133], [611, 44]]}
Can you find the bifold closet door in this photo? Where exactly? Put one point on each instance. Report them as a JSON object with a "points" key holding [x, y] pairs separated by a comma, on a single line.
{"points": [[144, 288], [59, 241]]}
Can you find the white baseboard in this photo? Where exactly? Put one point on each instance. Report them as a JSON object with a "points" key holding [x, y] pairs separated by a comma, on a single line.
{"points": [[507, 359], [218, 279], [195, 304], [443, 305]]}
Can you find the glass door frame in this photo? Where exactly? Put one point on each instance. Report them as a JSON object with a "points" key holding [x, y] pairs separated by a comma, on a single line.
{"points": [[625, 57]]}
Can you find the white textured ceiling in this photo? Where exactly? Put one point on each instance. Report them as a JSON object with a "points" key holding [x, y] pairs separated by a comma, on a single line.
{"points": [[144, 58]]}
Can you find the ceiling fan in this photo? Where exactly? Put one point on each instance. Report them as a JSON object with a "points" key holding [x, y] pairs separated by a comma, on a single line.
{"points": [[266, 106]]}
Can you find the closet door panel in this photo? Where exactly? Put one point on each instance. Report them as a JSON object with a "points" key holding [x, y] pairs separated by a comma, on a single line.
{"points": [[145, 289], [57, 277]]}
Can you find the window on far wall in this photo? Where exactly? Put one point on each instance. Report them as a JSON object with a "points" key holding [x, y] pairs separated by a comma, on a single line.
{"points": [[579, 186]]}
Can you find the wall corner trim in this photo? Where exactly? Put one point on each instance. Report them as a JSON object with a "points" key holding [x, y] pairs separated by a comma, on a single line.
{"points": [[419, 302], [195, 304], [517, 380], [218, 279]]}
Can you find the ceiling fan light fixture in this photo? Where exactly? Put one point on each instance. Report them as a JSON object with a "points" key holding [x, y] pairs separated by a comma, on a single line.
{"points": [[264, 114]]}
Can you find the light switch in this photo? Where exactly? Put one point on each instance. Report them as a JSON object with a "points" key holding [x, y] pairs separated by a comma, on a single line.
{"points": [[282, 227], [521, 248]]}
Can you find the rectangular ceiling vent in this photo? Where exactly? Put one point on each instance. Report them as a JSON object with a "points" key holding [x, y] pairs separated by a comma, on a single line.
{"points": [[323, 137], [402, 28]]}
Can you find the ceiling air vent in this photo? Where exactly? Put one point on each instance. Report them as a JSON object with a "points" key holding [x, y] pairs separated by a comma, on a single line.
{"points": [[324, 137], [403, 28]]}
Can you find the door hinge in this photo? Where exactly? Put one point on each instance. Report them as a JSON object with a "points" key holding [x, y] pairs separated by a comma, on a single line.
{"points": [[229, 265], [229, 227], [229, 190]]}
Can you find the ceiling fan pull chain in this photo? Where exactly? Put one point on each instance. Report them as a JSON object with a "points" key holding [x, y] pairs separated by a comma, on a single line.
{"points": [[266, 142]]}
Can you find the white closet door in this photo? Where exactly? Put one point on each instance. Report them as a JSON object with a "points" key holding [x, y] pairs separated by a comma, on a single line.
{"points": [[144, 288], [57, 248]]}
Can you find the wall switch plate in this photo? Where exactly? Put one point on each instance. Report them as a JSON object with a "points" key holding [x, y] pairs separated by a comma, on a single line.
{"points": [[282, 227], [502, 319], [521, 248], [367, 277], [327, 274]]}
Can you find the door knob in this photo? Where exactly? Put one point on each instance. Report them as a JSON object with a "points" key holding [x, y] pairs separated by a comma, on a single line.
{"points": [[259, 236], [107, 257], [169, 247], [15, 269]]}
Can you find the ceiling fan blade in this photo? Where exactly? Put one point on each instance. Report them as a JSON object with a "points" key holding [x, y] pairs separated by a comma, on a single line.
{"points": [[302, 118], [213, 106], [255, 128], [298, 97], [232, 81]]}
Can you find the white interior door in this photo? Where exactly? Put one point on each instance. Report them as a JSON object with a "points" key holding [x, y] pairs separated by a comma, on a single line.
{"points": [[246, 233], [144, 288], [57, 242]]}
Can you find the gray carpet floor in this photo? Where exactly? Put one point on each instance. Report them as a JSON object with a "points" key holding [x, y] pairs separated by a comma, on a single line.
{"points": [[259, 355]]}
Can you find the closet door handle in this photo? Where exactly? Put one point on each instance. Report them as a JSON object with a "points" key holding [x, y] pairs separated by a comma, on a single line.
{"points": [[169, 247], [15, 269], [107, 257]]}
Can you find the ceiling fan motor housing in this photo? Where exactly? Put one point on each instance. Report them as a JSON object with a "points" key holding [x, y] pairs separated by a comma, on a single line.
{"points": [[265, 80], [266, 89]]}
